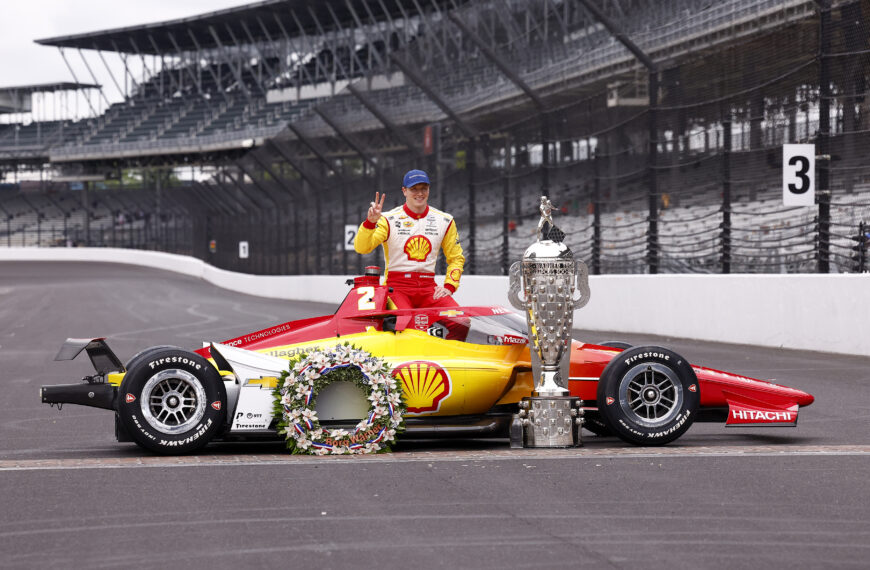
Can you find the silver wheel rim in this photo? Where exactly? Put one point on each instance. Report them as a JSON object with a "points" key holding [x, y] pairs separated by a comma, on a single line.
{"points": [[173, 401], [651, 394]]}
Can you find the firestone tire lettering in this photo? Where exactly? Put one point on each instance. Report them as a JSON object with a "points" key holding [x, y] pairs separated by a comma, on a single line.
{"points": [[159, 362]]}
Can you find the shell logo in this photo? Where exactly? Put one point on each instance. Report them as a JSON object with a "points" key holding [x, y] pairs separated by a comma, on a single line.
{"points": [[425, 385], [418, 248]]}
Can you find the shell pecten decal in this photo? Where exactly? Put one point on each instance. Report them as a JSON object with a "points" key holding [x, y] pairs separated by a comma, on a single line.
{"points": [[425, 384], [418, 248]]}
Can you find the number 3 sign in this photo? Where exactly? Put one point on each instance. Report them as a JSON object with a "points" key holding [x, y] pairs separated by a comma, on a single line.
{"points": [[798, 174]]}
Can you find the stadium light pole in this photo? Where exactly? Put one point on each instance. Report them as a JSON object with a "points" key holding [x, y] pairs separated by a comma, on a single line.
{"points": [[653, 256]]}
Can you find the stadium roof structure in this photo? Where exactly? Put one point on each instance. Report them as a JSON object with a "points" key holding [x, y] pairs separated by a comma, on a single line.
{"points": [[48, 87], [262, 21], [12, 98]]}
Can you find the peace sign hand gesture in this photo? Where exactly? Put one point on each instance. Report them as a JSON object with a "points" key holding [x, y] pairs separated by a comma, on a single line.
{"points": [[376, 207]]}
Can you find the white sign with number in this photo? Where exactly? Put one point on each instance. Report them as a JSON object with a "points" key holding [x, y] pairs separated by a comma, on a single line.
{"points": [[243, 250], [349, 235], [798, 174]]}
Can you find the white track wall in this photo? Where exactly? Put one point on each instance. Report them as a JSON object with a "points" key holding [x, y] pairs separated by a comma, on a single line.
{"points": [[828, 313]]}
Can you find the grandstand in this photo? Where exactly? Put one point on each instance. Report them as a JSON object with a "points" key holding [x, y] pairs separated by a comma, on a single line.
{"points": [[656, 128]]}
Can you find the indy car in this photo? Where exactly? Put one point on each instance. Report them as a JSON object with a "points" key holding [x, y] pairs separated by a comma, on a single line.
{"points": [[463, 371]]}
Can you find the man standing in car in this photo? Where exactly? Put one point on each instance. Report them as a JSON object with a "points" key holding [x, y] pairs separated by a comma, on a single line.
{"points": [[412, 234]]}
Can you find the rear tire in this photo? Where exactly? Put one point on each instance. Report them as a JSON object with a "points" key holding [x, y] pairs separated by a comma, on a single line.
{"points": [[616, 344], [171, 401], [648, 395]]}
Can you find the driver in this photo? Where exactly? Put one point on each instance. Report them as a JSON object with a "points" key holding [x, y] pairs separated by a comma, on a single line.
{"points": [[411, 235]]}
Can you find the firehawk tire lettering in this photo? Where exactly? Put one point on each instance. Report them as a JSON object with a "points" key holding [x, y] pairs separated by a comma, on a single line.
{"points": [[648, 395], [182, 388]]}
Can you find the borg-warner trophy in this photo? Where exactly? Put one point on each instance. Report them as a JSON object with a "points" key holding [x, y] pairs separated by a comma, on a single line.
{"points": [[554, 285]]}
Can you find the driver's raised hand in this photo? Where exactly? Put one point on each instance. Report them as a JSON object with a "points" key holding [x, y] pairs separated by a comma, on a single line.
{"points": [[376, 207]]}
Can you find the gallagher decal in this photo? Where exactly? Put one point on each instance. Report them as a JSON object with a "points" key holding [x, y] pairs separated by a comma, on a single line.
{"points": [[425, 385]]}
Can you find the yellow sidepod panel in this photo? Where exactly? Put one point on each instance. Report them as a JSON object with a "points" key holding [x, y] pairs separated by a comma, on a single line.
{"points": [[439, 377]]}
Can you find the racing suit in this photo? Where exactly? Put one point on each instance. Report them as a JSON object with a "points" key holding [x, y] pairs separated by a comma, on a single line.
{"points": [[411, 242]]}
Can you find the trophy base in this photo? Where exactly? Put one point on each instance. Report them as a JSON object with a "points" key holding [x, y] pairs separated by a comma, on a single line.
{"points": [[547, 421]]}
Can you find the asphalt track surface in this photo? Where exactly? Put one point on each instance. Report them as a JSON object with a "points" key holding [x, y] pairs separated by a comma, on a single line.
{"points": [[72, 497]]}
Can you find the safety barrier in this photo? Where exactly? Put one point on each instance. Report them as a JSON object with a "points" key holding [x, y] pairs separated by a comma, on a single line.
{"points": [[825, 313]]}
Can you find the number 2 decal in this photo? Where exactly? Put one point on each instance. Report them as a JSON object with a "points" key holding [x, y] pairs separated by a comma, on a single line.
{"points": [[366, 298]]}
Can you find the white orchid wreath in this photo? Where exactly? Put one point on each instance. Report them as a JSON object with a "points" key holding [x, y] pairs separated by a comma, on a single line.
{"points": [[309, 373]]}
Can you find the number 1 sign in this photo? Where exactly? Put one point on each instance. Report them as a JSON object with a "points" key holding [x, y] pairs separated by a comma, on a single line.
{"points": [[798, 174]]}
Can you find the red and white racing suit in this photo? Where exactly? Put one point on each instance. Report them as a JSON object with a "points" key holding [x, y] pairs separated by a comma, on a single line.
{"points": [[411, 243]]}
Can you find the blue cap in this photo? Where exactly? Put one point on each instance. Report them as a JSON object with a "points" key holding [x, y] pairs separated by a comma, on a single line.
{"points": [[414, 177]]}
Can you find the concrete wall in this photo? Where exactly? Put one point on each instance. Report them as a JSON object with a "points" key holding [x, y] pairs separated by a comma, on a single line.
{"points": [[828, 313]]}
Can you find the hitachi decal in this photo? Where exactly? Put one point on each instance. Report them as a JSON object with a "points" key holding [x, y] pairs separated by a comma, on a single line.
{"points": [[175, 360], [658, 355], [757, 415]]}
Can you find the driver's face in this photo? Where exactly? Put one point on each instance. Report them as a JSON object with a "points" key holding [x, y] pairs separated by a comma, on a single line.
{"points": [[417, 196]]}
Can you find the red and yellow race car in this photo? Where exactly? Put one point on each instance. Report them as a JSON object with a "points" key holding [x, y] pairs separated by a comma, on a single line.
{"points": [[463, 372]]}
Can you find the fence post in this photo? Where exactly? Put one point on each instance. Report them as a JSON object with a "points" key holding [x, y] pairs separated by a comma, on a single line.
{"points": [[86, 202], [652, 188], [505, 203], [344, 269], [297, 269], [726, 192], [596, 214], [470, 158], [823, 158], [860, 257]]}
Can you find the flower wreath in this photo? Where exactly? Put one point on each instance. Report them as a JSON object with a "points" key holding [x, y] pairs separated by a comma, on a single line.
{"points": [[309, 373]]}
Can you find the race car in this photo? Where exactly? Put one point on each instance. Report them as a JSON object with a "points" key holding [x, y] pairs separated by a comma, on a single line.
{"points": [[464, 372]]}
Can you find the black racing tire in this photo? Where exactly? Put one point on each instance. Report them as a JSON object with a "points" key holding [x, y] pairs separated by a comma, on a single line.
{"points": [[648, 395], [143, 354], [594, 423], [616, 344], [171, 401]]}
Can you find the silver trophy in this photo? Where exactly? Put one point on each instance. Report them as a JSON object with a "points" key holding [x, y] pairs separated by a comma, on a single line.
{"points": [[554, 285]]}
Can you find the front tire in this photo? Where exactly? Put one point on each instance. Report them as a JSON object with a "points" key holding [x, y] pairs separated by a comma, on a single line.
{"points": [[648, 395], [171, 401]]}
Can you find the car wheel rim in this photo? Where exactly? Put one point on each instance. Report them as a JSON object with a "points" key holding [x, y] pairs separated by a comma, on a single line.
{"points": [[173, 401], [651, 394]]}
